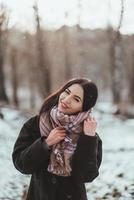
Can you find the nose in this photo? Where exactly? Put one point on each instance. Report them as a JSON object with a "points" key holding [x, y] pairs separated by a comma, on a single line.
{"points": [[67, 99]]}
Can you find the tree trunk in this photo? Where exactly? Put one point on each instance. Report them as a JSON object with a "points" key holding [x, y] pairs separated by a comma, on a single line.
{"points": [[44, 73], [116, 66], [14, 76], [42, 59], [3, 95], [68, 71], [131, 82]]}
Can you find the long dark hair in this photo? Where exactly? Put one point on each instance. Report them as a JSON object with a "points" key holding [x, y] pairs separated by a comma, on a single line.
{"points": [[90, 94]]}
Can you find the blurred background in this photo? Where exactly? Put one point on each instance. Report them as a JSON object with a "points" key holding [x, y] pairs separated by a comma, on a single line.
{"points": [[46, 42]]}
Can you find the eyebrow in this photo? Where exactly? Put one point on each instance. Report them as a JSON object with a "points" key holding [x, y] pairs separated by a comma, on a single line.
{"points": [[74, 95]]}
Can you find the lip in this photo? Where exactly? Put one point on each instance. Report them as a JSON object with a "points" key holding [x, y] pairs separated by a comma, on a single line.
{"points": [[64, 105]]}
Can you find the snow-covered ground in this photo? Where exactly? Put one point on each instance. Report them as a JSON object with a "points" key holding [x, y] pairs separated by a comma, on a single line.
{"points": [[116, 180], [12, 183]]}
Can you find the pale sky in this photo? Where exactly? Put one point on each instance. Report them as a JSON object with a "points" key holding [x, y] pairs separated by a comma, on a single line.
{"points": [[94, 13]]}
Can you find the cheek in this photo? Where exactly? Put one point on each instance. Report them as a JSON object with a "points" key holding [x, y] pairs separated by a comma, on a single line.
{"points": [[62, 96], [81, 106], [78, 107]]}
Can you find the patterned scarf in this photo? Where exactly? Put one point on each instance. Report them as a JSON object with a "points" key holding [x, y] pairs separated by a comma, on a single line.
{"points": [[60, 158]]}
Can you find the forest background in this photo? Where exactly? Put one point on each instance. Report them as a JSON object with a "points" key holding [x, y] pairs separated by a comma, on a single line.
{"points": [[40, 52]]}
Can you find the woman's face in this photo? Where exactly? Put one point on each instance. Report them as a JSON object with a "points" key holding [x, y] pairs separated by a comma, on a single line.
{"points": [[71, 100]]}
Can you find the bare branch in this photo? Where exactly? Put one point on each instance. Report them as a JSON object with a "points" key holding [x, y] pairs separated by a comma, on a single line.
{"points": [[4, 17], [121, 16]]}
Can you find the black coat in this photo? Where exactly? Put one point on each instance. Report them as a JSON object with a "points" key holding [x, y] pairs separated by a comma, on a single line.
{"points": [[31, 156]]}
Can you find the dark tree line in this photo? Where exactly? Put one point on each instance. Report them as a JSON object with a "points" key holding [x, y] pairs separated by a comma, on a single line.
{"points": [[37, 59]]}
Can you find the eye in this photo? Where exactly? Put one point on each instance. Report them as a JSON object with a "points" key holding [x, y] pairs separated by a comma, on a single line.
{"points": [[67, 91], [77, 100]]}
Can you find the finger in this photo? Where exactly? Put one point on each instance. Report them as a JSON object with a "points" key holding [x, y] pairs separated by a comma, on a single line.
{"points": [[85, 121], [61, 131], [61, 134], [60, 128], [94, 118], [89, 119], [60, 138]]}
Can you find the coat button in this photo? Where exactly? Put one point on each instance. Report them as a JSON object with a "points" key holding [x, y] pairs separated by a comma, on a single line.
{"points": [[54, 180], [69, 197]]}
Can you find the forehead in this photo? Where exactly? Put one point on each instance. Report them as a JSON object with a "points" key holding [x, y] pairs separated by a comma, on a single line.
{"points": [[76, 89]]}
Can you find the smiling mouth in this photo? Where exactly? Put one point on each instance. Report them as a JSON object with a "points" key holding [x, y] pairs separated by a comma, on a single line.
{"points": [[64, 105]]}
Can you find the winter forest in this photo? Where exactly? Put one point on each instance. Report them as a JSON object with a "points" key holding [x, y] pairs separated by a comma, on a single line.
{"points": [[35, 59]]}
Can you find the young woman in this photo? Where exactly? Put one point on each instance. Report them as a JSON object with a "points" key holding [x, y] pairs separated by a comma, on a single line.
{"points": [[60, 146]]}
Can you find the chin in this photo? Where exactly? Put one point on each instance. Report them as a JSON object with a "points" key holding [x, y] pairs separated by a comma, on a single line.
{"points": [[62, 110]]}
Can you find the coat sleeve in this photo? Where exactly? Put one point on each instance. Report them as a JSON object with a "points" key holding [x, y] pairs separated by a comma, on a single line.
{"points": [[30, 153], [87, 158]]}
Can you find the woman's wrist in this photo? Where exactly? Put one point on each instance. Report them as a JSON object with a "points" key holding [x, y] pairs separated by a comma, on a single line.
{"points": [[90, 134], [48, 143]]}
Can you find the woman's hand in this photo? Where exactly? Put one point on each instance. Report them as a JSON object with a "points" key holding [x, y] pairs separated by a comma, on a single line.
{"points": [[55, 136], [90, 125]]}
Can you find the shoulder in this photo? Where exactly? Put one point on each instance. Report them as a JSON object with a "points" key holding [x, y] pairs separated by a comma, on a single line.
{"points": [[87, 139], [31, 125], [30, 128], [32, 122], [98, 138]]}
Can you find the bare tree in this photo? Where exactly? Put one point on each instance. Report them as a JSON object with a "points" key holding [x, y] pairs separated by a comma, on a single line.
{"points": [[66, 42], [32, 70], [3, 32], [79, 7], [13, 58], [116, 58], [42, 58], [131, 81]]}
